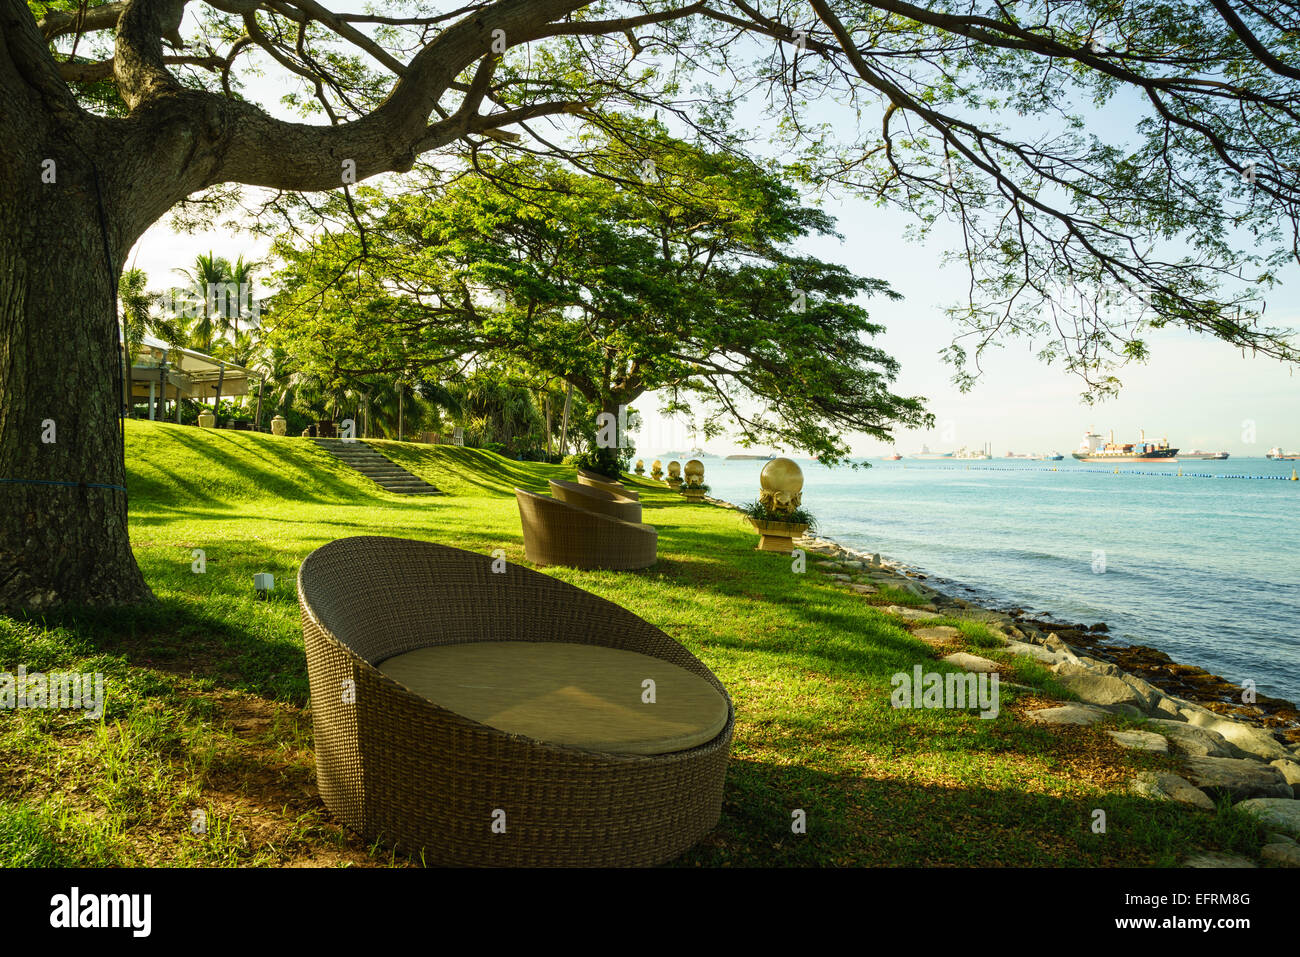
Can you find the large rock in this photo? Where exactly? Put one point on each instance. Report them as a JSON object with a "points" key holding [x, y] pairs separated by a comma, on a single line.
{"points": [[1277, 813], [1090, 666], [1100, 689], [1238, 778], [1148, 692], [1189, 739], [1252, 740], [972, 663], [1037, 652], [1141, 741], [1169, 708], [1280, 855], [1162, 786], [937, 634], [1290, 770], [1069, 714], [863, 589], [912, 614], [1218, 859]]}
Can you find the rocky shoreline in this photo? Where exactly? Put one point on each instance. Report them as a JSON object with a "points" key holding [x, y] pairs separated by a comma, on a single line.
{"points": [[1225, 745]]}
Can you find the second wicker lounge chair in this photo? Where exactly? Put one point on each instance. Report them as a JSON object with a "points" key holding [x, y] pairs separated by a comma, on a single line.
{"points": [[597, 500], [558, 533], [608, 485]]}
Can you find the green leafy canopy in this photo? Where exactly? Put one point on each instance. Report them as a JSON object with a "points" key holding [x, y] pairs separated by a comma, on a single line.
{"points": [[663, 267]]}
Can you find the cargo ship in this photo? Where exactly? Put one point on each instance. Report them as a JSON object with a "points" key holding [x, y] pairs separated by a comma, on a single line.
{"points": [[1091, 449], [1276, 453], [1036, 456], [925, 453], [1198, 454]]}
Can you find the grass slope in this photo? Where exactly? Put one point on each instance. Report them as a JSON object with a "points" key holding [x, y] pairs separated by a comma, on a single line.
{"points": [[204, 753]]}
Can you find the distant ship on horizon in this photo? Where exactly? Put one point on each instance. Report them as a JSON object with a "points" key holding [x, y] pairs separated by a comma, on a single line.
{"points": [[1276, 453], [1091, 449], [925, 453], [1052, 456], [1198, 454]]}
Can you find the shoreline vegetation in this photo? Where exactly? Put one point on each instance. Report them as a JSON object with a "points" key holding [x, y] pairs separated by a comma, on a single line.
{"points": [[204, 753]]}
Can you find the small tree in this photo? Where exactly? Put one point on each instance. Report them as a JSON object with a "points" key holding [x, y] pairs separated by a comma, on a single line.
{"points": [[676, 274]]}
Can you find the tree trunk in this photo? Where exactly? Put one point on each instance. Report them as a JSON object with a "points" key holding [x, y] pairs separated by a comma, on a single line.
{"points": [[548, 422], [63, 525], [564, 421]]}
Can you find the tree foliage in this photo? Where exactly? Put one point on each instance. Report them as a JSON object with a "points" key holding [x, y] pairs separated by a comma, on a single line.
{"points": [[675, 270], [1078, 231]]}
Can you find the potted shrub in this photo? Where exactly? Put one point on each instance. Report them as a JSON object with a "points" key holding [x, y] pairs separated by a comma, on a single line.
{"points": [[694, 491], [777, 529]]}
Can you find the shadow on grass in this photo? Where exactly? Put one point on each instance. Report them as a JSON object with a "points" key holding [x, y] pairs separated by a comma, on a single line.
{"points": [[854, 820], [190, 638], [272, 466], [477, 468]]}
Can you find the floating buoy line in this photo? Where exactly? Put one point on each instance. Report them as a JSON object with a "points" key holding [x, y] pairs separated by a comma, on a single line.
{"points": [[1293, 477]]}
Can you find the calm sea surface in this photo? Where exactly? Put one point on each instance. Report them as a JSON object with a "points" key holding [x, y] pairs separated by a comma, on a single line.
{"points": [[1205, 569]]}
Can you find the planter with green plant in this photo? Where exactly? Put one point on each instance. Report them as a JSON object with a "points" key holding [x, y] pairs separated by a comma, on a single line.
{"points": [[694, 491], [777, 530]]}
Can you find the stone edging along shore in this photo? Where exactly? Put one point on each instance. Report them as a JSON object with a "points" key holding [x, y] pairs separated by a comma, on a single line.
{"points": [[1246, 752]]}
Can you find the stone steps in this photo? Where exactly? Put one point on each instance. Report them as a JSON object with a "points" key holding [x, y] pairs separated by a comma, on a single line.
{"points": [[375, 466]]}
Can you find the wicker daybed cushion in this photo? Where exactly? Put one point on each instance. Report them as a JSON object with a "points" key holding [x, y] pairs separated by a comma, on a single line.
{"points": [[575, 695]]}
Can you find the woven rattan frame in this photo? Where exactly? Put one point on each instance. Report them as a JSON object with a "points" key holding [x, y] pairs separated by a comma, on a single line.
{"points": [[597, 500], [614, 488], [557, 533], [400, 770]]}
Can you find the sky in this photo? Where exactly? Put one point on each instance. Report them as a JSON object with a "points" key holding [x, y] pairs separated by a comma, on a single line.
{"points": [[1197, 391]]}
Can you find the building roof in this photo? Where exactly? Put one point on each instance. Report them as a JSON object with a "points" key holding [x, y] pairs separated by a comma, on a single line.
{"points": [[193, 373]]}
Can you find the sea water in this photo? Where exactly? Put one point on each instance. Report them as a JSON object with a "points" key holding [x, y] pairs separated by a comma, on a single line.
{"points": [[1207, 569]]}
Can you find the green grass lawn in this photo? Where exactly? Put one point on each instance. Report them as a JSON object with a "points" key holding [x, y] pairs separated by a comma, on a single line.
{"points": [[207, 688]]}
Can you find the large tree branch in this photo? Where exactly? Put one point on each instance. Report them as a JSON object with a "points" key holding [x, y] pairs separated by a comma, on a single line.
{"points": [[33, 65], [236, 141], [73, 72], [57, 23], [1252, 42]]}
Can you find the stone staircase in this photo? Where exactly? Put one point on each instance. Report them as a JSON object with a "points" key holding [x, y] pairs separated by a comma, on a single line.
{"points": [[381, 470]]}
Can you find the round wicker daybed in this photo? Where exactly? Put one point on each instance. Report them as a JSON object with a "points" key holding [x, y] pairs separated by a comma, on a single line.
{"points": [[405, 639], [597, 500], [608, 485], [558, 533]]}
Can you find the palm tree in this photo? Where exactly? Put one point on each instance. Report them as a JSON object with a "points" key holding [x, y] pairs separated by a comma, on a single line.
{"points": [[241, 274], [136, 303], [241, 350], [500, 411], [208, 277]]}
